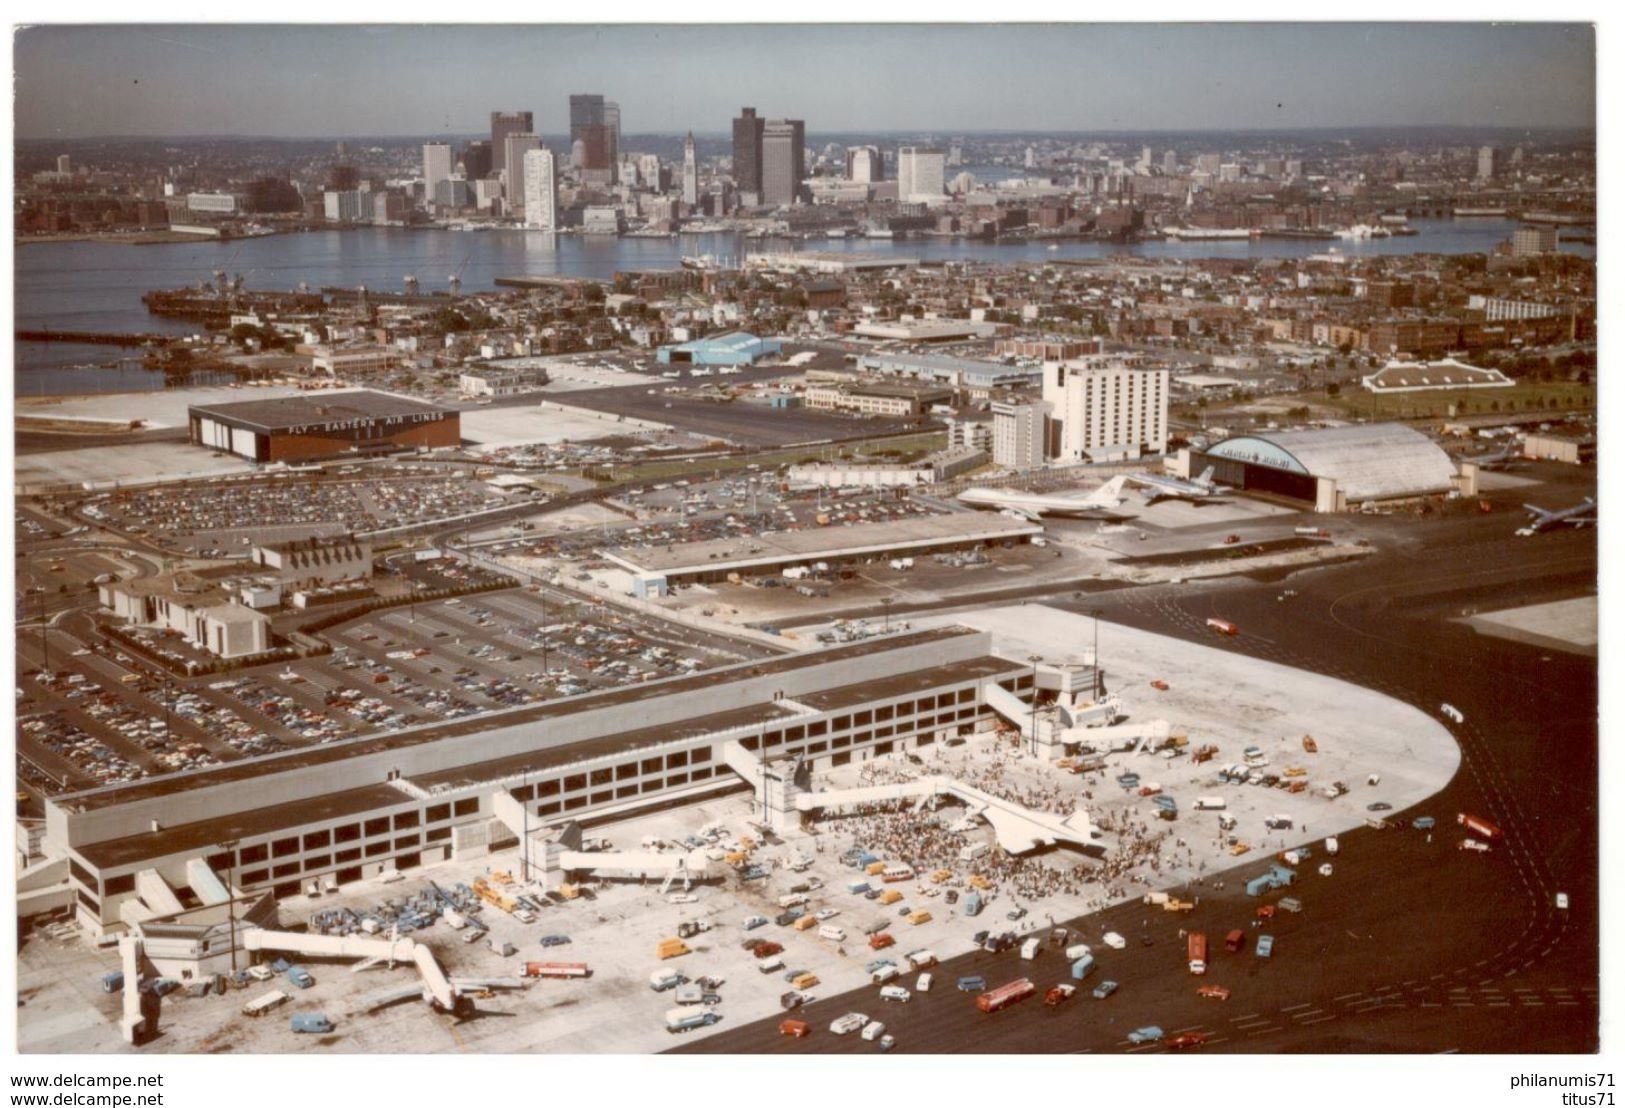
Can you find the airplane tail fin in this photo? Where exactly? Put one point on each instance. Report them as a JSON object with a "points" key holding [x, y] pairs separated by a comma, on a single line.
{"points": [[1207, 476], [1111, 493]]}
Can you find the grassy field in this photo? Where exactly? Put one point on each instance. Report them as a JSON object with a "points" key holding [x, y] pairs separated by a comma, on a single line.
{"points": [[1522, 398], [899, 448]]}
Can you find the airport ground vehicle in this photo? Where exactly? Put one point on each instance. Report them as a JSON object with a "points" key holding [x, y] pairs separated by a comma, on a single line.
{"points": [[1114, 940], [1187, 1041], [663, 979], [557, 970], [1059, 994], [1030, 948], [796, 1029], [894, 992], [113, 982], [310, 1023], [1235, 941], [1004, 996], [1105, 989], [263, 1004], [751, 923], [872, 1031], [1196, 951], [1276, 877], [671, 948], [923, 985], [845, 1025], [679, 1020], [1223, 627], [300, 977], [881, 941], [1149, 1034], [1082, 967], [561, 940], [1213, 992], [1482, 828], [971, 984], [1265, 946]]}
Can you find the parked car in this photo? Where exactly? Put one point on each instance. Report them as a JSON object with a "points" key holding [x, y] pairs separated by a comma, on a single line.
{"points": [[1150, 1034], [972, 984], [1105, 989]]}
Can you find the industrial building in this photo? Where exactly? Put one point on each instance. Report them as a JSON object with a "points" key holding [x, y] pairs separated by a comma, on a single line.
{"points": [[976, 377], [1334, 469], [1425, 376], [735, 348], [323, 425], [348, 810], [715, 559]]}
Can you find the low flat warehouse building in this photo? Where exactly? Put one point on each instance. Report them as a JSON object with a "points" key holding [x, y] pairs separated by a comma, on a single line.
{"points": [[323, 425], [1334, 469], [354, 809], [715, 559]]}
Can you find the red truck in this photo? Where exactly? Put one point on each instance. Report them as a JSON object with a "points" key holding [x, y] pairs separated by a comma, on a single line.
{"points": [[1196, 951], [1483, 828], [1005, 995], [557, 969], [1223, 627]]}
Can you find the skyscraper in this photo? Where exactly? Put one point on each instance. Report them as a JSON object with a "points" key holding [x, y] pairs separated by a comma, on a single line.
{"points": [[691, 174], [784, 160], [865, 165], [515, 147], [748, 155], [504, 124], [477, 160], [586, 110], [612, 123], [541, 190], [597, 155], [1489, 163], [1170, 163], [436, 167], [920, 172]]}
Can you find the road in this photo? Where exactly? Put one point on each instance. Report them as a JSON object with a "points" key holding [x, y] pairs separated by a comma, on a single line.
{"points": [[1412, 945]]}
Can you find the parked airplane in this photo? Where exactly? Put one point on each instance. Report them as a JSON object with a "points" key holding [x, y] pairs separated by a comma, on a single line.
{"points": [[1099, 504], [1583, 514], [1500, 459], [1159, 487]]}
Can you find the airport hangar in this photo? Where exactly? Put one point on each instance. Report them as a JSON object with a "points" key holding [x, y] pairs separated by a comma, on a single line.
{"points": [[1334, 469], [655, 568], [323, 424], [355, 809]]}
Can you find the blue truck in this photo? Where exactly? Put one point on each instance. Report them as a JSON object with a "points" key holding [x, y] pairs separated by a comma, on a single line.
{"points": [[113, 982], [1083, 967], [310, 1023], [1276, 877], [973, 903], [300, 977]]}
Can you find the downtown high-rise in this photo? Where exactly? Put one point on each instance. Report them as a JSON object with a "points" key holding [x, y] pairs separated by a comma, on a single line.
{"points": [[504, 124]]}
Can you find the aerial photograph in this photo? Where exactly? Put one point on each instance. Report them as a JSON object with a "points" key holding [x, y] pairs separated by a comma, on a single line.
{"points": [[857, 540]]}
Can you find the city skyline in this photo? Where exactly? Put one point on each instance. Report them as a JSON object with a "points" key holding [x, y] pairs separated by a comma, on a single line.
{"points": [[318, 82]]}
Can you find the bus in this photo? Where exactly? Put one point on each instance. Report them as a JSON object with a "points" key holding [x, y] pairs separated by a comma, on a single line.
{"points": [[1005, 995], [557, 969]]}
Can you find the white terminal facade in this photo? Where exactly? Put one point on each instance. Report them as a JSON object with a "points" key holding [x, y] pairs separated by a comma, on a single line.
{"points": [[1103, 407]]}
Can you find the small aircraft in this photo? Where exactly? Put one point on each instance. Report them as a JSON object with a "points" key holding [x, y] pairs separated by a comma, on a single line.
{"points": [[1159, 487], [1099, 504], [1583, 514]]}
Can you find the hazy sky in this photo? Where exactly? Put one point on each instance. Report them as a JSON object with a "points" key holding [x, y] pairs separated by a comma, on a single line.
{"points": [[410, 80]]}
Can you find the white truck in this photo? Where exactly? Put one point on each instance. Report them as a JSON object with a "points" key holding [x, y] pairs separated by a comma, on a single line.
{"points": [[263, 1004], [679, 1020], [1030, 948], [454, 919], [1210, 803]]}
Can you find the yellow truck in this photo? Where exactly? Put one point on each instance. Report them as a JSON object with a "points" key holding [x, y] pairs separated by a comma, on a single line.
{"points": [[942, 876], [806, 923], [875, 869], [890, 896], [917, 918], [977, 881], [671, 948]]}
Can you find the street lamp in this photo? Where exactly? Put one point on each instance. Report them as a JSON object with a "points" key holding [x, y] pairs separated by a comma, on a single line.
{"points": [[1032, 730], [885, 606], [524, 845], [230, 847], [1095, 657]]}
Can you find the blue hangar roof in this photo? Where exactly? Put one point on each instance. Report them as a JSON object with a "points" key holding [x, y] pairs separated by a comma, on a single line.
{"points": [[732, 348]]}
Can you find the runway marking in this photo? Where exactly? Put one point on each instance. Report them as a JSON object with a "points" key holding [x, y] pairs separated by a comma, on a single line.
{"points": [[1244, 1019], [1317, 1019], [1263, 1031], [1295, 1007], [1346, 996]]}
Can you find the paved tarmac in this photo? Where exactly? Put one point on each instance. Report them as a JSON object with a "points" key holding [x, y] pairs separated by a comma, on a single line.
{"points": [[1415, 946]]}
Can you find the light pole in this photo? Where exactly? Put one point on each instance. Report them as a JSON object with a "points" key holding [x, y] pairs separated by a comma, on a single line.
{"points": [[1095, 657], [524, 845], [230, 847], [885, 606], [1032, 730]]}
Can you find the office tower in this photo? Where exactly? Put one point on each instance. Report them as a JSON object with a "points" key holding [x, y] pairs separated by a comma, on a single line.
{"points": [[64, 164], [1099, 404], [1516, 161], [748, 156], [612, 122], [504, 124], [1029, 159], [515, 147], [1170, 163], [691, 174], [865, 165], [650, 172], [956, 155], [1145, 160], [541, 191], [784, 160], [1018, 433], [1489, 163], [587, 109], [1208, 163], [919, 173], [1230, 171], [597, 168], [1294, 168], [1531, 242], [436, 168], [477, 160]]}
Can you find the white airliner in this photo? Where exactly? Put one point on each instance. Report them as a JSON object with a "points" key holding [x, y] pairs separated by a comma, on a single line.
{"points": [[1099, 504], [1583, 514], [1159, 487]]}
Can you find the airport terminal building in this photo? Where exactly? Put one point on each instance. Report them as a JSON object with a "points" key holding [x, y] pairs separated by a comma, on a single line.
{"points": [[355, 809]]}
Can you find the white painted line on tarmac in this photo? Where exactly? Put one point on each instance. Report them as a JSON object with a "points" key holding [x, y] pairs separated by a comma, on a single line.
{"points": [[1317, 1019]]}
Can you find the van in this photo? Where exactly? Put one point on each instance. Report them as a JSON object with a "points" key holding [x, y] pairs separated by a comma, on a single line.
{"points": [[792, 900], [883, 975], [833, 934], [1029, 949], [796, 1029], [1114, 940], [894, 992], [671, 948], [923, 985], [917, 918], [872, 1031], [770, 965], [890, 896], [806, 923], [1210, 803], [1235, 941], [804, 980], [1076, 951], [1331, 844], [973, 852], [661, 980]]}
